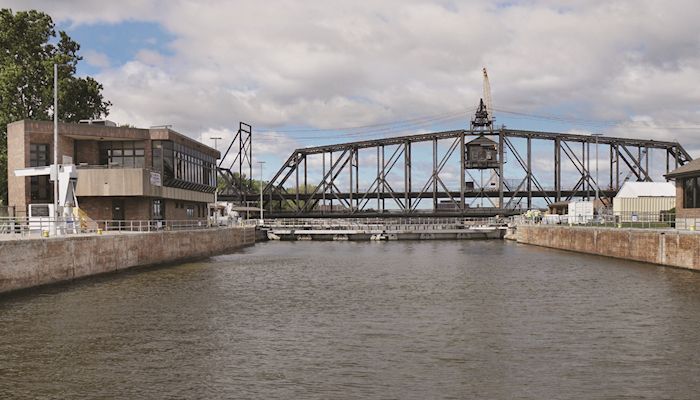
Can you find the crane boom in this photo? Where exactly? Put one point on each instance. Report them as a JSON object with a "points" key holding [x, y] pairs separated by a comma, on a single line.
{"points": [[487, 95]]}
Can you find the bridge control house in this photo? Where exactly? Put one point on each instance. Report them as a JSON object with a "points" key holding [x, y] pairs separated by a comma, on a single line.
{"points": [[124, 173]]}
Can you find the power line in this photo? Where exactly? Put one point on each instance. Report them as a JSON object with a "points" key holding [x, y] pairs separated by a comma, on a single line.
{"points": [[385, 130], [360, 127]]}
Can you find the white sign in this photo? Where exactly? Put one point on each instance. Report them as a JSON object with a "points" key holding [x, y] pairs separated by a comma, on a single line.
{"points": [[155, 179]]}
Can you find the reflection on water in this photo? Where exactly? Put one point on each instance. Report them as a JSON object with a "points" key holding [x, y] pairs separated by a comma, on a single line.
{"points": [[409, 320]]}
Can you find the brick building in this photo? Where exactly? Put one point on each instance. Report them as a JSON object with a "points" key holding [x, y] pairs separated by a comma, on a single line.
{"points": [[123, 173], [687, 180]]}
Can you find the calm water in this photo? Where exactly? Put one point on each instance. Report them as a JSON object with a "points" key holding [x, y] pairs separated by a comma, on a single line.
{"points": [[405, 320]]}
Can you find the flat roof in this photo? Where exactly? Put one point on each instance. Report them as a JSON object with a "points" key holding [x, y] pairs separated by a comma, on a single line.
{"points": [[103, 132], [646, 189]]}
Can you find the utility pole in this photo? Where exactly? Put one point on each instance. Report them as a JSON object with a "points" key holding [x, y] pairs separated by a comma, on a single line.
{"points": [[262, 215]]}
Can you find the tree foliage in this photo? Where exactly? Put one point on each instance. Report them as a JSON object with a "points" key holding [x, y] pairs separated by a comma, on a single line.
{"points": [[29, 47]]}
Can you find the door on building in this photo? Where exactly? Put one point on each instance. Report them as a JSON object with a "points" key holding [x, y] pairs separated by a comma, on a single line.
{"points": [[118, 209], [158, 210]]}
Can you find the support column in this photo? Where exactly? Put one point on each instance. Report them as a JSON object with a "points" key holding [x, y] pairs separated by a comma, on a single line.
{"points": [[434, 175], [617, 167], [352, 160], [323, 183], [461, 172], [379, 179], [610, 185], [357, 178], [675, 156], [331, 166], [500, 168], [588, 171], [407, 175], [557, 168], [296, 172], [529, 172], [646, 165]]}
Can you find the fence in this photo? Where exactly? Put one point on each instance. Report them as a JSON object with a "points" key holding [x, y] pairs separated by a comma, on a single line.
{"points": [[415, 223], [17, 227], [644, 220]]}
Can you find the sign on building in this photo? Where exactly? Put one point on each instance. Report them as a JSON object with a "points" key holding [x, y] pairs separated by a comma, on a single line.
{"points": [[155, 179]]}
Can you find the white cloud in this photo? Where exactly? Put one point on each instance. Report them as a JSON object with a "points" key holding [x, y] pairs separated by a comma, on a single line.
{"points": [[96, 59], [338, 63]]}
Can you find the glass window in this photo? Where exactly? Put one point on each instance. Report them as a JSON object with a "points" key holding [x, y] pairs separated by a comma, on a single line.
{"points": [[691, 192], [40, 187], [122, 153], [183, 166]]}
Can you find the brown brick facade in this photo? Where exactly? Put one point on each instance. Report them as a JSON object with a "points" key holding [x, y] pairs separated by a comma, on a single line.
{"points": [[81, 143], [681, 211]]}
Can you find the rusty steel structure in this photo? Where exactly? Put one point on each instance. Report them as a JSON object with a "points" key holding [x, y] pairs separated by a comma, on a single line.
{"points": [[235, 178], [291, 192]]}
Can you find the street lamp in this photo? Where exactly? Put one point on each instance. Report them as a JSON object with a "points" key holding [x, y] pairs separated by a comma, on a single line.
{"points": [[216, 141], [262, 217]]}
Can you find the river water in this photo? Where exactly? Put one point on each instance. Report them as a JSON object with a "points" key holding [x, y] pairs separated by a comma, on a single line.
{"points": [[334, 320]]}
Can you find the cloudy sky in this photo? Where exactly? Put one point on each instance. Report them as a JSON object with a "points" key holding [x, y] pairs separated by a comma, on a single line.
{"points": [[627, 68]]}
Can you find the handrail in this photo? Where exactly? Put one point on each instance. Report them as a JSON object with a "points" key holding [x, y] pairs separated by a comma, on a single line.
{"points": [[42, 226]]}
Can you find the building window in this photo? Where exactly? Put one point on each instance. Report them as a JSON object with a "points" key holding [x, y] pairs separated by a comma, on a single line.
{"points": [[691, 192], [183, 166], [40, 186], [158, 210], [128, 154], [190, 211]]}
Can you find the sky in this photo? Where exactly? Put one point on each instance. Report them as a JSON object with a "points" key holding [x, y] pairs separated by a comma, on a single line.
{"points": [[302, 73]]}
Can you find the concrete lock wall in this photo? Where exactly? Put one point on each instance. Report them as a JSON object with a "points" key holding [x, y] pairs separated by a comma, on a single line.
{"points": [[663, 247], [32, 262]]}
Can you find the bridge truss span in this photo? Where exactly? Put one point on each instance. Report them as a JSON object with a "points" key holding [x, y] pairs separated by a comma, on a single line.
{"points": [[433, 173]]}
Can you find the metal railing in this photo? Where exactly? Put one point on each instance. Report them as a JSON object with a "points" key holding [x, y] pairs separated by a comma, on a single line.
{"points": [[641, 220], [415, 223], [17, 227]]}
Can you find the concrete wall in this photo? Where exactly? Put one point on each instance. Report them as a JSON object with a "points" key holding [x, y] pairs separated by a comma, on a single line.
{"points": [[664, 247], [32, 262], [131, 182]]}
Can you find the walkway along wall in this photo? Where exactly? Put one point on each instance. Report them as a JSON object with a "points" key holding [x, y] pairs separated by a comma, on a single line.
{"points": [[32, 262], [664, 247]]}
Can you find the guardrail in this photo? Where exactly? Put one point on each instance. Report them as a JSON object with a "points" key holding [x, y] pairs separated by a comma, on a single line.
{"points": [[378, 223], [643, 220], [46, 226]]}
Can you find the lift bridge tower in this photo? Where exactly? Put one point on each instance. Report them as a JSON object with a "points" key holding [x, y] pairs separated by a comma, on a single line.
{"points": [[483, 154]]}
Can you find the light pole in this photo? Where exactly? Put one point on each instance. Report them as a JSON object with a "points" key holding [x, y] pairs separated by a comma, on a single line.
{"points": [[54, 167], [262, 216], [597, 194], [216, 141]]}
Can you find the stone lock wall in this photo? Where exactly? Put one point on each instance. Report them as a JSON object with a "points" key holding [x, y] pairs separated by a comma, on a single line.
{"points": [[663, 247], [27, 263]]}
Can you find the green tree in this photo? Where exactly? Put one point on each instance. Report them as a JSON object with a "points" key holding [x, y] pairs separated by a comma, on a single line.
{"points": [[29, 46]]}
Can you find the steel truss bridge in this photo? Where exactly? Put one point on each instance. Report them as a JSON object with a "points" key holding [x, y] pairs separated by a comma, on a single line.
{"points": [[326, 180]]}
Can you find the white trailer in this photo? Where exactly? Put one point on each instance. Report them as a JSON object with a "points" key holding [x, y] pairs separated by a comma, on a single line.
{"points": [[580, 212]]}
